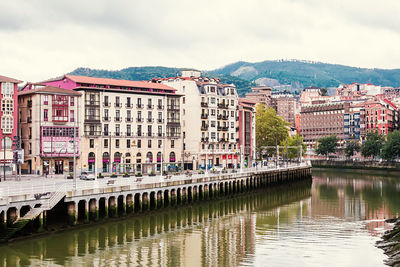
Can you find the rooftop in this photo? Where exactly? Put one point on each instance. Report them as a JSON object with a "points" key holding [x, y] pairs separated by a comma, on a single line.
{"points": [[9, 80]]}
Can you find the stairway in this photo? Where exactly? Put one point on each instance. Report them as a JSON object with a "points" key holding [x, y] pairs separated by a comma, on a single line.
{"points": [[47, 204]]}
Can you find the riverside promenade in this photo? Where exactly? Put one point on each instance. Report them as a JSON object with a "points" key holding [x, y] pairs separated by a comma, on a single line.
{"points": [[32, 198]]}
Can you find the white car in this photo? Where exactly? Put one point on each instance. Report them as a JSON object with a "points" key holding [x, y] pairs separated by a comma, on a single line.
{"points": [[87, 176]]}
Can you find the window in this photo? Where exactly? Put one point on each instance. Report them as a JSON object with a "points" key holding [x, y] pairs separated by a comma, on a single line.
{"points": [[116, 143], [128, 114], [183, 100], [105, 143], [7, 106], [159, 103], [8, 143], [117, 100], [212, 100], [7, 124], [139, 115], [72, 101], [60, 108], [149, 143], [139, 143], [128, 101], [117, 130], [7, 89], [213, 112], [172, 143], [46, 115], [139, 102], [159, 143], [117, 114], [159, 130], [106, 100], [91, 143], [128, 143], [105, 129], [139, 130], [46, 100], [71, 115], [149, 130], [128, 130]]}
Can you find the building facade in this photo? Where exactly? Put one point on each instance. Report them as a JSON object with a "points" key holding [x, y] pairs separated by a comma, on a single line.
{"points": [[247, 132], [209, 119], [260, 94], [319, 120], [126, 126], [48, 116], [381, 116], [285, 106], [9, 119]]}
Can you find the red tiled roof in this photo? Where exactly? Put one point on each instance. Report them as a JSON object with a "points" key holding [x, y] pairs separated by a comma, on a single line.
{"points": [[50, 89], [10, 80], [115, 82]]}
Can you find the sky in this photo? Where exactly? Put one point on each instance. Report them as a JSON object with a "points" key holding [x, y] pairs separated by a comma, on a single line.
{"points": [[41, 39]]}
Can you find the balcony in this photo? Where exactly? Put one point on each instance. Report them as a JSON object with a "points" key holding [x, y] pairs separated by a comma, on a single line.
{"points": [[225, 117], [92, 103], [117, 134], [139, 105], [106, 118], [173, 107], [139, 119], [219, 117], [159, 134], [117, 105], [92, 133], [204, 116], [128, 133], [150, 120], [237, 118], [139, 133], [128, 119], [29, 103], [204, 139], [149, 134], [128, 105], [204, 104], [105, 133], [204, 127], [92, 118], [29, 119], [173, 135], [173, 120], [237, 140], [106, 104], [224, 140], [160, 120], [160, 106], [117, 119], [150, 106], [237, 129]]}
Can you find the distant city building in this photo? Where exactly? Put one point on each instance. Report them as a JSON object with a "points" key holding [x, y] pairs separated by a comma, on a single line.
{"points": [[354, 122], [310, 94], [9, 119], [285, 106], [381, 116], [260, 94], [48, 116], [209, 119]]}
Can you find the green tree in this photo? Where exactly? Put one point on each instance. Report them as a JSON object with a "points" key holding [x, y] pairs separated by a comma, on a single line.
{"points": [[326, 145], [391, 149], [271, 129], [372, 145], [351, 148], [295, 141]]}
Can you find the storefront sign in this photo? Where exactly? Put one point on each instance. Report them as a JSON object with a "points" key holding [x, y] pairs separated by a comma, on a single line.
{"points": [[59, 147]]}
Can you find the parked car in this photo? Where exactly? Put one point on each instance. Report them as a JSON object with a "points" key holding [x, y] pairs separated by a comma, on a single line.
{"points": [[87, 176]]}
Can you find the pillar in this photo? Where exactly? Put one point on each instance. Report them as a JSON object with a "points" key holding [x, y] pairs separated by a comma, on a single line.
{"points": [[86, 220], [72, 214]]}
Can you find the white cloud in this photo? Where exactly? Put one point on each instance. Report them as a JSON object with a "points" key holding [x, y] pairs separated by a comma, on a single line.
{"points": [[42, 39]]}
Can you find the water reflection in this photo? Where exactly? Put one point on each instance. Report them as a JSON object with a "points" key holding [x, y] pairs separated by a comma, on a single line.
{"points": [[298, 225]]}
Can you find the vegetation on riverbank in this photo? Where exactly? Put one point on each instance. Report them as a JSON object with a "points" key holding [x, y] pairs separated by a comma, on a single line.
{"points": [[390, 243]]}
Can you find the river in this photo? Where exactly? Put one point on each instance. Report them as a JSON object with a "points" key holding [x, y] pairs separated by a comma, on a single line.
{"points": [[334, 220]]}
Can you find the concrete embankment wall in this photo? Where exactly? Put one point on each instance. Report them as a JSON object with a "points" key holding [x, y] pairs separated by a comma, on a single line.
{"points": [[121, 201], [362, 165]]}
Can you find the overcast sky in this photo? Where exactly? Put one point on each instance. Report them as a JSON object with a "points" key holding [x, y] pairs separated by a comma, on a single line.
{"points": [[40, 39]]}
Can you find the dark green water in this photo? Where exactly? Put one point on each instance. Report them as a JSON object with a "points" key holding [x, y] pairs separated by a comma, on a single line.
{"points": [[334, 221]]}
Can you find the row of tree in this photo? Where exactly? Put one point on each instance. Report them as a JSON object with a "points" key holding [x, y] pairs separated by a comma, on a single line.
{"points": [[374, 146], [272, 131]]}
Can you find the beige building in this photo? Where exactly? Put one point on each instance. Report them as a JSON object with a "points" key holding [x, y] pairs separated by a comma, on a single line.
{"points": [[126, 126], [209, 120], [47, 118], [285, 106]]}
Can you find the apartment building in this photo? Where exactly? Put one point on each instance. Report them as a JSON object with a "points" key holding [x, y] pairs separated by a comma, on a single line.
{"points": [[47, 118], [247, 132], [285, 106], [381, 115], [354, 122], [126, 126], [260, 94], [319, 120], [9, 121], [209, 120]]}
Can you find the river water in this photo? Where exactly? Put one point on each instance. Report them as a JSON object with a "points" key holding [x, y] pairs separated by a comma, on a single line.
{"points": [[334, 220]]}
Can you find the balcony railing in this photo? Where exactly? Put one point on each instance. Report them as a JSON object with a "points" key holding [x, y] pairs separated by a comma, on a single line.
{"points": [[128, 119], [105, 133], [92, 133], [237, 118], [117, 119], [160, 120], [139, 119], [29, 120], [160, 106], [173, 120], [106, 118], [204, 104], [117, 134], [204, 116], [204, 127], [159, 134], [150, 120], [224, 117], [106, 104], [128, 105], [117, 104], [150, 106], [29, 103], [149, 134], [92, 103], [139, 105], [173, 107], [128, 133], [204, 139]]}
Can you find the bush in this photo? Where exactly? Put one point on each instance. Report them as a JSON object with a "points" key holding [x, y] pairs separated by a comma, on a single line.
{"points": [[139, 174], [126, 175], [152, 174], [165, 173], [100, 175], [113, 175]]}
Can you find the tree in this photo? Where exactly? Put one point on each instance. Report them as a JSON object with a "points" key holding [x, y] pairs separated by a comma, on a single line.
{"points": [[351, 148], [271, 129], [326, 145], [391, 149], [296, 141], [372, 145], [324, 91]]}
